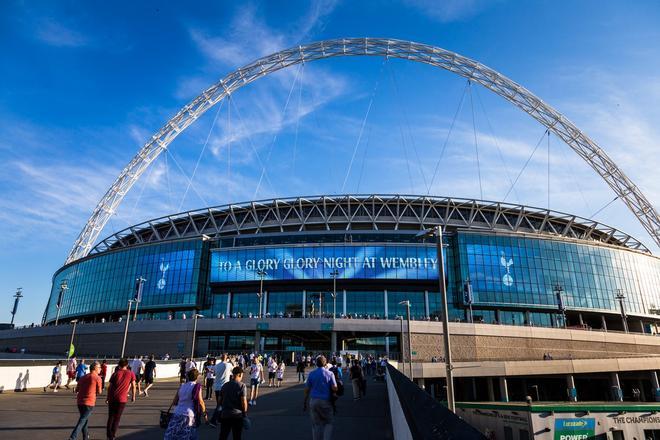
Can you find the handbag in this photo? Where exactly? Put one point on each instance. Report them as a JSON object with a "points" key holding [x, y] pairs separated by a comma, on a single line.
{"points": [[247, 423], [165, 417], [196, 406]]}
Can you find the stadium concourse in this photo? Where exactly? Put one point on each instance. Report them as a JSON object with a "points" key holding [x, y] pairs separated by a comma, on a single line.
{"points": [[35, 414]]}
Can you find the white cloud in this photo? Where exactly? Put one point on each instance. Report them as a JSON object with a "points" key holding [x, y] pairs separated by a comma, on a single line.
{"points": [[57, 34], [450, 10]]}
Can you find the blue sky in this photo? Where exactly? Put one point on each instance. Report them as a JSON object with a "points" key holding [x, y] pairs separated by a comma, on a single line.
{"points": [[85, 84]]}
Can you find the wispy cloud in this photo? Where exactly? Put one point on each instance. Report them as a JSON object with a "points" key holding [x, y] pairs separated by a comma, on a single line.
{"points": [[57, 34], [450, 10]]}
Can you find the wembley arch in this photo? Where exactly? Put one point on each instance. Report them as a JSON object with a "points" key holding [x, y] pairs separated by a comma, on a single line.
{"points": [[517, 95]]}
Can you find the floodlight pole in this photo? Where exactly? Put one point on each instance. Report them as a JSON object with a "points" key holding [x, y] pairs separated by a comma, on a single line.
{"points": [[139, 285], [17, 297], [410, 367], [128, 318], [192, 350], [445, 314], [63, 288], [261, 274], [334, 274], [73, 332], [620, 297], [560, 302]]}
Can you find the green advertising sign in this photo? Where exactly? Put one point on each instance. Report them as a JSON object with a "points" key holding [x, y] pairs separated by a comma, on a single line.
{"points": [[262, 326], [326, 327], [574, 429]]}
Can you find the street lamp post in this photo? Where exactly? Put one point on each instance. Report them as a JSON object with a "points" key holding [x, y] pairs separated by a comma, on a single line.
{"points": [[437, 231], [624, 319], [17, 297], [128, 318], [262, 274], [73, 332], [192, 350], [334, 274], [63, 288], [468, 298], [139, 286], [403, 356], [560, 302], [410, 367]]}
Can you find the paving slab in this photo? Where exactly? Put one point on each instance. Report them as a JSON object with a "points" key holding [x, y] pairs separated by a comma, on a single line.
{"points": [[36, 415]]}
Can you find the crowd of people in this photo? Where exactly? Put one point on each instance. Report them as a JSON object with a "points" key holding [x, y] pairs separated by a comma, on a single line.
{"points": [[218, 377]]}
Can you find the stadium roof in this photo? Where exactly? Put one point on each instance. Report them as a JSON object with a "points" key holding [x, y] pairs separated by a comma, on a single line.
{"points": [[364, 212]]}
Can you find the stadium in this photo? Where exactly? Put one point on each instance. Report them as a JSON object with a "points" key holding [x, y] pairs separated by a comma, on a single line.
{"points": [[540, 303]]}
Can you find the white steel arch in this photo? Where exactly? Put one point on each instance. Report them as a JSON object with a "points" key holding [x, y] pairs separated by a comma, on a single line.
{"points": [[422, 53]]}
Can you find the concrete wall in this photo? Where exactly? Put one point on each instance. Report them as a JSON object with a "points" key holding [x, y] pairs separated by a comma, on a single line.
{"points": [[36, 375], [470, 342]]}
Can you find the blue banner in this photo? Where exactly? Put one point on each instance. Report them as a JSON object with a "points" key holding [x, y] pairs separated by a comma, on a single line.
{"points": [[324, 262]]}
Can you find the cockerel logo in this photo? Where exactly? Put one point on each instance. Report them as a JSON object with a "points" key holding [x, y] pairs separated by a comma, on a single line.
{"points": [[163, 268], [507, 279]]}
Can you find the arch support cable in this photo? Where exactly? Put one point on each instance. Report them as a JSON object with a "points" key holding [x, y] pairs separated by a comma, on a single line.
{"points": [[417, 52]]}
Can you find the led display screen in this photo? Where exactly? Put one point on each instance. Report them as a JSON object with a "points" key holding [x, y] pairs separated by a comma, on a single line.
{"points": [[319, 262]]}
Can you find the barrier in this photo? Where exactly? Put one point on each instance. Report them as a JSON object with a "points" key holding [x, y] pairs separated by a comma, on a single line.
{"points": [[418, 416], [16, 378]]}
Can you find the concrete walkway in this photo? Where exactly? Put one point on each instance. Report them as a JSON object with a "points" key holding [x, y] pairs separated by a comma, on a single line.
{"points": [[32, 414]]}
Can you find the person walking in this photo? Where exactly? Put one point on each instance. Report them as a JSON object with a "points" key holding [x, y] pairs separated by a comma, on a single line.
{"points": [[272, 368], [210, 378], [81, 370], [88, 387], [103, 373], [233, 399], [300, 369], [149, 375], [356, 379], [223, 373], [71, 365], [121, 382], [137, 367], [55, 377], [319, 389], [280, 373], [256, 377], [182, 370], [189, 409]]}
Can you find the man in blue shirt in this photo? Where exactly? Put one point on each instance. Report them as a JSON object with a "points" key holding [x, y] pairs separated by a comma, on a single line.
{"points": [[318, 390]]}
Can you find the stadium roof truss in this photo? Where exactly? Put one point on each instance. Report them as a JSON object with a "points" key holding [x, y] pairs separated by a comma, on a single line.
{"points": [[587, 149], [361, 213]]}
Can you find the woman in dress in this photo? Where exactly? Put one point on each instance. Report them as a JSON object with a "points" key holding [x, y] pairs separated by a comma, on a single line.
{"points": [[189, 409]]}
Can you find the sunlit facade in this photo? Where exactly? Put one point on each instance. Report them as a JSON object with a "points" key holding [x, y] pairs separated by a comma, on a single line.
{"points": [[494, 275]]}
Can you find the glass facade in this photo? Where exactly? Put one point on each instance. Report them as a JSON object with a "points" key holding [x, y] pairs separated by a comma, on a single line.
{"points": [[523, 272], [285, 303], [104, 283], [512, 278]]}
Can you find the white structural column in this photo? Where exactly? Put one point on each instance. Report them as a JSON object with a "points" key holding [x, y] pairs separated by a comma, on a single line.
{"points": [[344, 301], [228, 315], [655, 386], [427, 308], [385, 299], [504, 390], [571, 390], [476, 72], [617, 392], [304, 304]]}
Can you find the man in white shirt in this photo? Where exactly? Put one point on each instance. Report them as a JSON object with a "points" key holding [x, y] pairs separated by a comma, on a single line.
{"points": [[190, 364], [137, 367], [222, 376], [256, 377], [272, 368]]}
